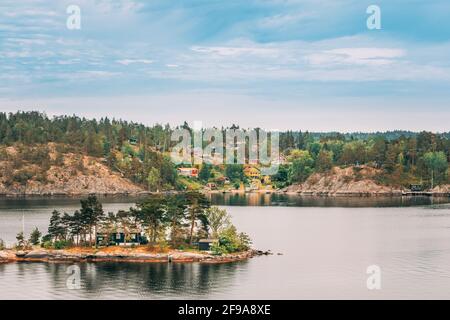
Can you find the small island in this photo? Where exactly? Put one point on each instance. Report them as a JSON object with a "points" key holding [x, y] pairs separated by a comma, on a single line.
{"points": [[160, 228]]}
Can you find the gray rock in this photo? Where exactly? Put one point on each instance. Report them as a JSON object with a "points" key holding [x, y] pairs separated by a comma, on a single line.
{"points": [[21, 254], [3, 255], [37, 254]]}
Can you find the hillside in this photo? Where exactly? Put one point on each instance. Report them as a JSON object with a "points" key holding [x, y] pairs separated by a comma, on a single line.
{"points": [[344, 181], [64, 174]]}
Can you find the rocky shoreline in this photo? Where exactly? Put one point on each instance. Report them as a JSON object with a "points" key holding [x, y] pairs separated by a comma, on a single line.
{"points": [[175, 256], [287, 191]]}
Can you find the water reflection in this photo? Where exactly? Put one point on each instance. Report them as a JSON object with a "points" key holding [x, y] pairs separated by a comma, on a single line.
{"points": [[257, 199], [118, 280], [325, 253]]}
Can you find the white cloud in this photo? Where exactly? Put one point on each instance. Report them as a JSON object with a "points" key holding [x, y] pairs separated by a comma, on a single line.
{"points": [[127, 62], [236, 51], [357, 56]]}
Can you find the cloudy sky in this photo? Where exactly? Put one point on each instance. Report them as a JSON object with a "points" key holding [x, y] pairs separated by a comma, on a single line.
{"points": [[277, 64]]}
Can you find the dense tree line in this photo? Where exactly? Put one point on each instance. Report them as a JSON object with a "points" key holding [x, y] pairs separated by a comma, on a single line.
{"points": [[140, 152], [421, 158], [176, 221]]}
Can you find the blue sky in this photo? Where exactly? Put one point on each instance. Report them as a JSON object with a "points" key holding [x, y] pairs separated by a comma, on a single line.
{"points": [[277, 64]]}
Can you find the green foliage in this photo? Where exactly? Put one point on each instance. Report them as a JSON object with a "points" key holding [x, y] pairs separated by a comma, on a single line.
{"points": [[154, 179], [47, 245], [134, 150], [218, 220], [61, 244], [230, 241], [205, 173], [2, 244], [436, 164], [35, 236], [91, 214], [21, 243], [281, 178], [176, 219], [234, 172], [302, 166], [324, 161]]}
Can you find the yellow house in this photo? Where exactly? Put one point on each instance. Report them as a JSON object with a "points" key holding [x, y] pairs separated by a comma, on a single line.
{"points": [[252, 172]]}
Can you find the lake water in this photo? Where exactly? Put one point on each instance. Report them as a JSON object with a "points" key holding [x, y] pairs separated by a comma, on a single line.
{"points": [[326, 246]]}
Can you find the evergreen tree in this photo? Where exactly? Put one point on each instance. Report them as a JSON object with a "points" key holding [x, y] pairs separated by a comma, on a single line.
{"points": [[35, 236], [91, 213]]}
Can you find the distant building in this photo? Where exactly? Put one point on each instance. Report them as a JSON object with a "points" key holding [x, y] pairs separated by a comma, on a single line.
{"points": [[223, 180], [211, 186], [120, 238], [188, 172], [416, 187], [252, 172]]}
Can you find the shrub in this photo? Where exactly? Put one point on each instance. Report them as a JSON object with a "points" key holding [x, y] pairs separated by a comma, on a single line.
{"points": [[61, 244], [22, 176], [47, 245], [2, 244], [217, 249], [230, 241], [35, 236]]}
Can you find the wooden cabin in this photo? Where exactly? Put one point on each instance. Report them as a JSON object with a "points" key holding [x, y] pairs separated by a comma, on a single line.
{"points": [[416, 187], [205, 244], [118, 238]]}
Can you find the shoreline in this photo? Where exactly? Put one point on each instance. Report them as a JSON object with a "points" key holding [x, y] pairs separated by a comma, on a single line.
{"points": [[129, 256], [262, 192]]}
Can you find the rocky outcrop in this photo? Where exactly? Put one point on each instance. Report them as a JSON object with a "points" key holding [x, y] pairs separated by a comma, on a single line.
{"points": [[7, 256], [75, 177], [349, 181], [42, 255], [442, 190]]}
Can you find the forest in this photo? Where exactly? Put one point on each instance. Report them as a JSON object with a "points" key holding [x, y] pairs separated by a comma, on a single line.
{"points": [[141, 153]]}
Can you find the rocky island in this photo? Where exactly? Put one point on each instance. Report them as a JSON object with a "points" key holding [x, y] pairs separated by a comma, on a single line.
{"points": [[171, 228], [131, 255]]}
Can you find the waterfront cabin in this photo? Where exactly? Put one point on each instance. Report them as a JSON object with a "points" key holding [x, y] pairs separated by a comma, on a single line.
{"points": [[416, 187], [252, 172], [205, 244], [118, 238]]}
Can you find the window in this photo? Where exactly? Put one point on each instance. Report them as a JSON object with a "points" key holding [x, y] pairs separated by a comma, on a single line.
{"points": [[117, 236]]}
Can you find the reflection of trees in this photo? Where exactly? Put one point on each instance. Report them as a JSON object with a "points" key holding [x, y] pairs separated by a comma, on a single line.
{"points": [[257, 199], [148, 280]]}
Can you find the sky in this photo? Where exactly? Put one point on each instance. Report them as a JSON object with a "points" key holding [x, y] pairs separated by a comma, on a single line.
{"points": [[276, 64]]}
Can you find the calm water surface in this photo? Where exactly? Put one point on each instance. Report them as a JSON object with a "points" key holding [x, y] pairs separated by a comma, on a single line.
{"points": [[326, 246]]}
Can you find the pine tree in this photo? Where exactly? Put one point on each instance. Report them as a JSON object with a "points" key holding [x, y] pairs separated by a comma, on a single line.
{"points": [[35, 236], [91, 214], [56, 229]]}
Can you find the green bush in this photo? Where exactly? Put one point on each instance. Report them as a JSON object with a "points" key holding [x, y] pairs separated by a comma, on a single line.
{"points": [[47, 245], [2, 244], [217, 249], [61, 244], [230, 242]]}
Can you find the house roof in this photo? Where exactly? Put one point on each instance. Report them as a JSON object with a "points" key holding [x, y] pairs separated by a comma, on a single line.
{"points": [[120, 230], [207, 240]]}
